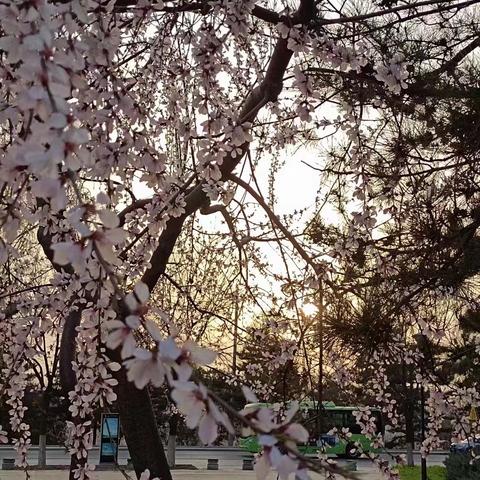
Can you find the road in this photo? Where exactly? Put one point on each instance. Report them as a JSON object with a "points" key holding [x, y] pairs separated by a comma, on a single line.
{"points": [[229, 458]]}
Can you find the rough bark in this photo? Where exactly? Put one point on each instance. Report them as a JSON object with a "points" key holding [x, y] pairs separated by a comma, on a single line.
{"points": [[172, 440], [42, 450], [43, 427], [141, 432], [67, 351]]}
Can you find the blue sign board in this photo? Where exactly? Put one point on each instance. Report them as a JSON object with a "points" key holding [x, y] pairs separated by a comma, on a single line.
{"points": [[110, 433]]}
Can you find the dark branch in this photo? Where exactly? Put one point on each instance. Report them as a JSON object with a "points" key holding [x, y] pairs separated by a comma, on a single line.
{"points": [[399, 8], [451, 64], [203, 7], [267, 91]]}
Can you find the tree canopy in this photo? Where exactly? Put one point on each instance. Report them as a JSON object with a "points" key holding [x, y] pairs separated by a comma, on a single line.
{"points": [[140, 140]]}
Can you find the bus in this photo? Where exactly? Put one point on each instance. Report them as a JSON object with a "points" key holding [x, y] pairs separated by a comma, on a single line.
{"points": [[332, 416]]}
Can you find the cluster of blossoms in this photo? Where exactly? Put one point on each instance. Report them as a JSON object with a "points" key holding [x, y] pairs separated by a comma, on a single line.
{"points": [[457, 404], [261, 388], [41, 94], [344, 57], [437, 409], [53, 148], [304, 84], [237, 15], [94, 388], [101, 240], [18, 350], [297, 36], [20, 429], [368, 423], [379, 388], [278, 437], [194, 402], [342, 374], [268, 362], [288, 350], [172, 363], [78, 114], [168, 362], [394, 74]]}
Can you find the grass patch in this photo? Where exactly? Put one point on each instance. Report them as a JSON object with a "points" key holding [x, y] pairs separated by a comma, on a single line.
{"points": [[435, 472]]}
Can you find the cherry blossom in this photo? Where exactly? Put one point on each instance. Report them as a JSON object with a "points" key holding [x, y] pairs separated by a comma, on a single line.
{"points": [[199, 410], [146, 475], [124, 126]]}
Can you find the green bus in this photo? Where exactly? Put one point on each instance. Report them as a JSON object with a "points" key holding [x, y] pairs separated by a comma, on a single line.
{"points": [[330, 416]]}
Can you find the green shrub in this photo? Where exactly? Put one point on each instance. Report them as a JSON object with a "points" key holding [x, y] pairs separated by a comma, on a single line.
{"points": [[459, 467]]}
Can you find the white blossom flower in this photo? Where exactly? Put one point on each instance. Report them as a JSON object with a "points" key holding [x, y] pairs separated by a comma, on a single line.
{"points": [[145, 367], [121, 334], [146, 475], [193, 401]]}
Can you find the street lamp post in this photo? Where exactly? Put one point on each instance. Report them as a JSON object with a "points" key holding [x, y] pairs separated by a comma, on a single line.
{"points": [[316, 310], [231, 436], [320, 358], [423, 460]]}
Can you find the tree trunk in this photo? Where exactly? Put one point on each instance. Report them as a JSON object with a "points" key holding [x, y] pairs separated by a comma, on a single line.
{"points": [[172, 440], [409, 431], [171, 448], [43, 427], [68, 348], [140, 427], [410, 459], [42, 450]]}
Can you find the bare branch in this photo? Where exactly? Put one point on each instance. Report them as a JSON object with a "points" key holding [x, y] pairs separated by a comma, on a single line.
{"points": [[276, 221]]}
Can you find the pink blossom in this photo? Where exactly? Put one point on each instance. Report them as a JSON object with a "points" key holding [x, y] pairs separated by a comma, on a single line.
{"points": [[199, 410], [146, 475], [145, 367]]}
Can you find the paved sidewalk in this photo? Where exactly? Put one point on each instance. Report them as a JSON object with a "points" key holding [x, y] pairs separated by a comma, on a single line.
{"points": [[177, 475]]}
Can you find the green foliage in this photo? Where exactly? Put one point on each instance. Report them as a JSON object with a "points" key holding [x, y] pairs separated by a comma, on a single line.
{"points": [[435, 472], [459, 467]]}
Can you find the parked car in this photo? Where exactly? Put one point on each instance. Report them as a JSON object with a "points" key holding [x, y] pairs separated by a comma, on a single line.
{"points": [[466, 446]]}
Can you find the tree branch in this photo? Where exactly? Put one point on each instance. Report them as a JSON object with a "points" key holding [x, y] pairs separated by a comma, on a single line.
{"points": [[275, 220], [266, 92], [262, 13], [450, 65], [399, 8]]}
